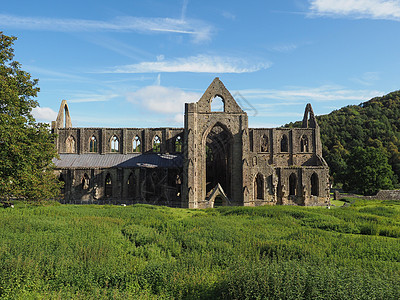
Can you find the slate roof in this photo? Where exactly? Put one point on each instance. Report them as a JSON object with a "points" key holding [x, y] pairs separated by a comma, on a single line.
{"points": [[134, 160]]}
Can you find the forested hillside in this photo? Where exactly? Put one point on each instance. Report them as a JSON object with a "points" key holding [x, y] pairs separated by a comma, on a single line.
{"points": [[361, 144]]}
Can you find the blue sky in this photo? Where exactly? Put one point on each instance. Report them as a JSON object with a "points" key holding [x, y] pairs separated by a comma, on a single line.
{"points": [[135, 63]]}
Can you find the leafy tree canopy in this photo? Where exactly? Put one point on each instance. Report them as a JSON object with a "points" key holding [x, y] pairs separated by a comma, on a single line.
{"points": [[375, 123], [26, 147], [367, 171]]}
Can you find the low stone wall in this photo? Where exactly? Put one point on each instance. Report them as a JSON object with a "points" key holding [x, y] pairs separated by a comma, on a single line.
{"points": [[381, 195], [387, 195]]}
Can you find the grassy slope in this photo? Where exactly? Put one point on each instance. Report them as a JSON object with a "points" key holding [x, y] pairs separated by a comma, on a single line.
{"points": [[151, 252]]}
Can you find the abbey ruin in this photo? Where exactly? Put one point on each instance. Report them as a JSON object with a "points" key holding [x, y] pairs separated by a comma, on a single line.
{"points": [[214, 160]]}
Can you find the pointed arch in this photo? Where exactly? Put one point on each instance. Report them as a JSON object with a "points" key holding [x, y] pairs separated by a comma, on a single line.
{"points": [[217, 104], [131, 183], [63, 114], [284, 143], [136, 145], [217, 143], [314, 184], [264, 146], [85, 182], [114, 144], [292, 184], [108, 186], [93, 144], [156, 144], [259, 187], [304, 144], [178, 144], [70, 144], [309, 120]]}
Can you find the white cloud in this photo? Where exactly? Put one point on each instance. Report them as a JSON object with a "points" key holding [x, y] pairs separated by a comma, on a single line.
{"points": [[92, 98], [323, 93], [169, 100], [283, 48], [368, 78], [374, 9], [44, 114], [199, 30], [194, 64], [228, 15]]}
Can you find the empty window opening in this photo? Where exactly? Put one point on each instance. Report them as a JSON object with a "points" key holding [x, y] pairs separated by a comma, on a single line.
{"points": [[259, 187], [292, 184], [62, 182], [114, 144], [314, 185], [218, 201], [70, 144], [217, 104], [264, 144], [178, 144], [85, 182], [218, 149], [284, 144], [304, 144], [131, 186], [156, 144], [93, 144], [108, 186], [136, 144], [270, 185]]}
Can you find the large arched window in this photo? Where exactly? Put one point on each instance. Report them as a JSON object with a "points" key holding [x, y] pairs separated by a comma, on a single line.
{"points": [[136, 144], [284, 144], [70, 144], [292, 184], [114, 144], [108, 186], [93, 144], [217, 104], [314, 185], [304, 144], [156, 144], [264, 144], [178, 144], [258, 187]]}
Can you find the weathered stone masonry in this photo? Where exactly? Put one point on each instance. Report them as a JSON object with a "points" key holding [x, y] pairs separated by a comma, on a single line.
{"points": [[214, 160]]}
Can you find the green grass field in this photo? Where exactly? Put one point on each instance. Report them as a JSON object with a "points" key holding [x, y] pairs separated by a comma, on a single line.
{"points": [[148, 252]]}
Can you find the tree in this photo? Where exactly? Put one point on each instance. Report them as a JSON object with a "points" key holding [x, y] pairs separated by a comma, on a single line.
{"points": [[26, 147], [368, 171]]}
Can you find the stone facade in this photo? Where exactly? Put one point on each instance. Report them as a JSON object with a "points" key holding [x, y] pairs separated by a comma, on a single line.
{"points": [[214, 160]]}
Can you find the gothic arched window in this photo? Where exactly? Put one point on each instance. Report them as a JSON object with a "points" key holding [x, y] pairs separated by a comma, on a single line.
{"points": [[93, 144], [70, 144], [178, 144], [156, 144], [304, 144], [114, 144], [136, 144]]}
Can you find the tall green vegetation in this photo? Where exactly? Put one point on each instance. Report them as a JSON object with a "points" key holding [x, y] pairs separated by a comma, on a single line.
{"points": [[376, 124], [26, 147], [146, 252]]}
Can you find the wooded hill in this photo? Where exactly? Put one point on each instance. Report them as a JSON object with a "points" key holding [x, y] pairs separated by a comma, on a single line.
{"points": [[363, 141]]}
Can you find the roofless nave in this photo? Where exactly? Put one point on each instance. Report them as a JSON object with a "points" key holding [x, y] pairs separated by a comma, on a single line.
{"points": [[214, 160]]}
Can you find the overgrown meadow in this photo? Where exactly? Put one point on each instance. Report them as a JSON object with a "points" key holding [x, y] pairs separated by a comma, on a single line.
{"points": [[148, 252]]}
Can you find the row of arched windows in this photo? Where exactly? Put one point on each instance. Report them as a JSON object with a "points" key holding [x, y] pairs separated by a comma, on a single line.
{"points": [[259, 185], [284, 146], [114, 144]]}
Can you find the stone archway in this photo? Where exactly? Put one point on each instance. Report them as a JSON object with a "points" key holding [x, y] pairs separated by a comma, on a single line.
{"points": [[218, 150]]}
